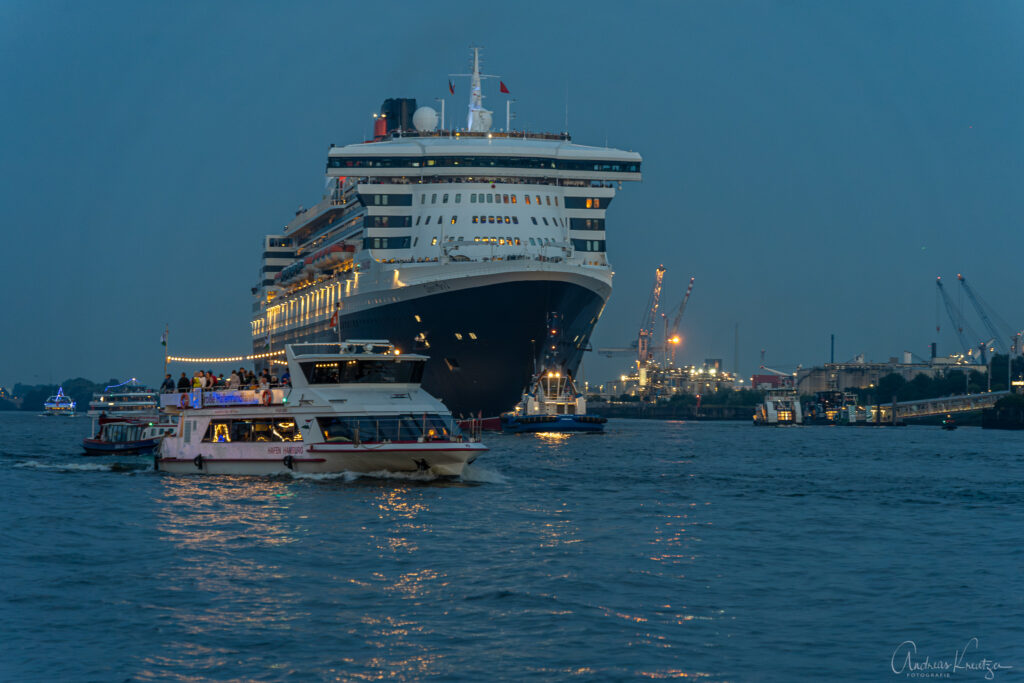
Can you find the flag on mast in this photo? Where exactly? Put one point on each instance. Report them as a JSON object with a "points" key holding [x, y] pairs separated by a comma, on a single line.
{"points": [[502, 87], [451, 86], [334, 318], [163, 337]]}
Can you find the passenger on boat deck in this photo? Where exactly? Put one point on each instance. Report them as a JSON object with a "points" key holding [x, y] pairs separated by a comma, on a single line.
{"points": [[197, 380], [184, 384], [286, 377], [168, 386], [233, 380]]}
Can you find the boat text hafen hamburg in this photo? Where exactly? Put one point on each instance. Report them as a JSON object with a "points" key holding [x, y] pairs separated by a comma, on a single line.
{"points": [[456, 242]]}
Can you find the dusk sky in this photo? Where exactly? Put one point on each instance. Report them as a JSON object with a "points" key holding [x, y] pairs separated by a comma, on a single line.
{"points": [[813, 164]]}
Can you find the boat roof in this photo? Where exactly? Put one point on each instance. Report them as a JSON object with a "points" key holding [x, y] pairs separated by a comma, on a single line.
{"points": [[379, 349], [460, 144]]}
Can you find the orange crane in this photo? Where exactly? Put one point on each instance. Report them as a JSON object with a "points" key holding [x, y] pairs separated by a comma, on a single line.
{"points": [[643, 340], [672, 339]]}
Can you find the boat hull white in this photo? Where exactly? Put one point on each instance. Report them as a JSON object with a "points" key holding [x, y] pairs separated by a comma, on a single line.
{"points": [[446, 460]]}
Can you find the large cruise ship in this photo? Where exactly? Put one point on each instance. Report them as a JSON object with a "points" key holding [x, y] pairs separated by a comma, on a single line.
{"points": [[460, 243]]}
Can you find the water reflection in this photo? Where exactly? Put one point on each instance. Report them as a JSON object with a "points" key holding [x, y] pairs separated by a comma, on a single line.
{"points": [[218, 526]]}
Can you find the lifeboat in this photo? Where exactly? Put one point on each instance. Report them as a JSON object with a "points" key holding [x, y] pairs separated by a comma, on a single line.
{"points": [[331, 256]]}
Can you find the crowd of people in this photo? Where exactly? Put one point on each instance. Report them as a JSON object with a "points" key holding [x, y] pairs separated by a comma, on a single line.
{"points": [[238, 379]]}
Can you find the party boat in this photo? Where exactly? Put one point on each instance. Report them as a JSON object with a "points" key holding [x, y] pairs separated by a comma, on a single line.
{"points": [[59, 404], [353, 406]]}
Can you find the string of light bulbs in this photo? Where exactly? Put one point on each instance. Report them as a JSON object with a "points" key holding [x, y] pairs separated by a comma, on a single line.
{"points": [[224, 359]]}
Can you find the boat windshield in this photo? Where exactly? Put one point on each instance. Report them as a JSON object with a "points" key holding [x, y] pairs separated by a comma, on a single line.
{"points": [[370, 371], [375, 429]]}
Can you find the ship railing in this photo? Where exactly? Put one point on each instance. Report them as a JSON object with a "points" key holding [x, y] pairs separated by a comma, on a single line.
{"points": [[221, 396]]}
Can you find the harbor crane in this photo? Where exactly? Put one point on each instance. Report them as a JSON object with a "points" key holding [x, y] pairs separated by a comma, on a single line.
{"points": [[1001, 333], [672, 339], [956, 317], [643, 340]]}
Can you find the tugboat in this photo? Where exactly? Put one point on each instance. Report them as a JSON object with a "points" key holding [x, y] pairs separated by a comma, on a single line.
{"points": [[552, 404], [353, 406], [59, 405], [127, 436]]}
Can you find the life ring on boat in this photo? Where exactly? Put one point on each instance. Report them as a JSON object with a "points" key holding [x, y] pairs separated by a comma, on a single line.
{"points": [[289, 462], [184, 402], [268, 397]]}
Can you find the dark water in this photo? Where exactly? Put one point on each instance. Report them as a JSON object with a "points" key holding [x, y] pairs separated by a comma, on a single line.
{"points": [[713, 551]]}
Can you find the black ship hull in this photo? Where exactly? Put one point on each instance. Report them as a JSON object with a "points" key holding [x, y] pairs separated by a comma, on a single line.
{"points": [[483, 342]]}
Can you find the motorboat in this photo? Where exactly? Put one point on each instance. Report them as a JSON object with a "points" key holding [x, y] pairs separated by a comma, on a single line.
{"points": [[128, 436], [352, 406]]}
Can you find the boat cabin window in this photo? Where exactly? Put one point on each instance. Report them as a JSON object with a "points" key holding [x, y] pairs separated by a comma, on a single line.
{"points": [[370, 371], [377, 429], [245, 431]]}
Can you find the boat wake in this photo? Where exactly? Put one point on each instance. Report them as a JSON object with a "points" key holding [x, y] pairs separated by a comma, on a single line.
{"points": [[83, 467]]}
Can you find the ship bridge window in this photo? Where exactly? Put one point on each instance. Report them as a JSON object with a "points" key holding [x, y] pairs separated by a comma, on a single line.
{"points": [[588, 245], [387, 221], [386, 242], [586, 224], [387, 199], [370, 371], [587, 202]]}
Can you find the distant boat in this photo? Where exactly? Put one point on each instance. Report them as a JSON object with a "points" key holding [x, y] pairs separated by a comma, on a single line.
{"points": [[781, 406], [59, 405], [552, 404], [948, 423]]}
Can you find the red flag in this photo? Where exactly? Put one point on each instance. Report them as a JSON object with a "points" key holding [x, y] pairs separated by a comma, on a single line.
{"points": [[502, 87], [451, 88], [334, 318]]}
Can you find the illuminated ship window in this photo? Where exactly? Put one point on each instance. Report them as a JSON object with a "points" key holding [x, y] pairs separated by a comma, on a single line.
{"points": [[418, 319], [433, 242], [454, 219], [451, 363], [458, 335], [504, 198], [476, 219], [527, 197], [472, 335], [513, 199], [507, 219]]}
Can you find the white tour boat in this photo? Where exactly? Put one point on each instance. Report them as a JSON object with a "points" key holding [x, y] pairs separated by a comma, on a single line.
{"points": [[354, 406], [59, 404]]}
